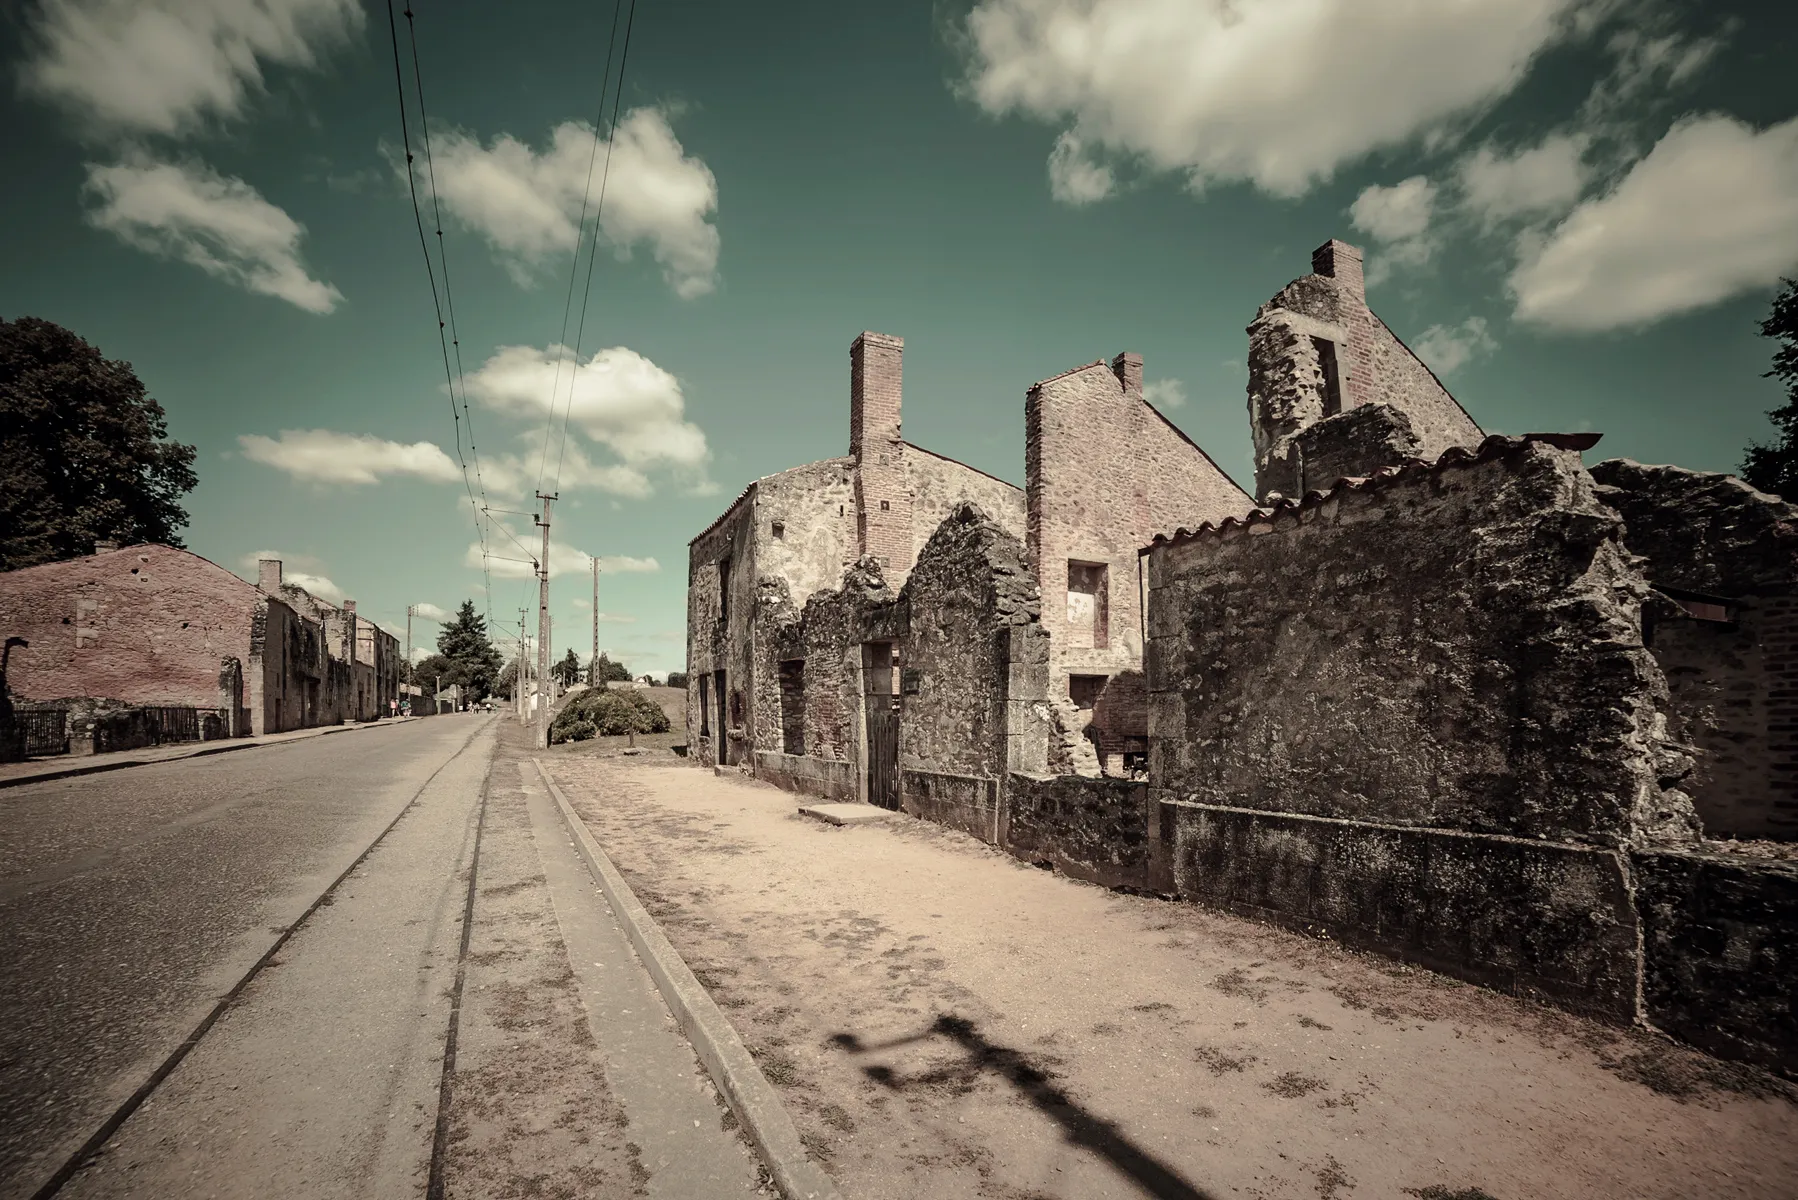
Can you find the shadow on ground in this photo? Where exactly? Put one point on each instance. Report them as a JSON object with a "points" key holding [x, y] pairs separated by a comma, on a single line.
{"points": [[1082, 1127]]}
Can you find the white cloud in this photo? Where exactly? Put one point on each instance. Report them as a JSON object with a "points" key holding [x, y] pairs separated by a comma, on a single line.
{"points": [[1647, 63], [323, 456], [527, 203], [431, 612], [1712, 211], [563, 560], [1447, 348], [1165, 393], [1073, 177], [1277, 92], [1546, 178], [1399, 218], [318, 585], [219, 224], [166, 66], [618, 398]]}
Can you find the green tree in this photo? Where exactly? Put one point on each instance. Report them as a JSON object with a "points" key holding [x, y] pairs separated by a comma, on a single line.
{"points": [[604, 670], [568, 671], [1775, 468], [506, 684], [473, 662], [677, 679], [84, 451]]}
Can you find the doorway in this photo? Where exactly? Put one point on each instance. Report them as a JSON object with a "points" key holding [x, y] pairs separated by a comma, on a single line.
{"points": [[881, 701]]}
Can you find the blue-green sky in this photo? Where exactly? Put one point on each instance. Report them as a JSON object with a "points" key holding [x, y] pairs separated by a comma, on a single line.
{"points": [[1577, 211]]}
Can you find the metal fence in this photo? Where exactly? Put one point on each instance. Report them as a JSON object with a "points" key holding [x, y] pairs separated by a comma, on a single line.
{"points": [[46, 730]]}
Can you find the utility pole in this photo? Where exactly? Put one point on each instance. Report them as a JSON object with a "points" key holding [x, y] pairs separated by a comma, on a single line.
{"points": [[409, 656], [593, 663], [542, 736], [518, 680]]}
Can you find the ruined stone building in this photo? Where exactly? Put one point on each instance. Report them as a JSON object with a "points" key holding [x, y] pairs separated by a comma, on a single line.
{"points": [[153, 627], [1453, 697]]}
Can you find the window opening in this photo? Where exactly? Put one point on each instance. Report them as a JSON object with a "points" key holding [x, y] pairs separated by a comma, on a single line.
{"points": [[724, 588], [705, 707], [1089, 604], [1084, 690], [1326, 362]]}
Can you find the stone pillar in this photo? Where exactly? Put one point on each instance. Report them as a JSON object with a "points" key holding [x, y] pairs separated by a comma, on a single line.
{"points": [[268, 575]]}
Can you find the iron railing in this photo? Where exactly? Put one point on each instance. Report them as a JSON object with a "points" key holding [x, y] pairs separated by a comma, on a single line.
{"points": [[46, 730]]}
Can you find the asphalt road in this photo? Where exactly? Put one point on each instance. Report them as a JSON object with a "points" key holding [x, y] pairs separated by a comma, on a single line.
{"points": [[131, 901]]}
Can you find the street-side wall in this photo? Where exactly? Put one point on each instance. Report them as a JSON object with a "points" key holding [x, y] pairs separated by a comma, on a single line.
{"points": [[1726, 635], [721, 606]]}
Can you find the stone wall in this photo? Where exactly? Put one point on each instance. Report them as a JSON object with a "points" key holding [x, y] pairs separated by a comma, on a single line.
{"points": [[1105, 472], [1100, 830], [1355, 443], [720, 636], [1326, 313], [1720, 952], [1457, 648], [1725, 634], [940, 485], [833, 779]]}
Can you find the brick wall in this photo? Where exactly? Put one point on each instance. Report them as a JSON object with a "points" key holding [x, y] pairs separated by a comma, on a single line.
{"points": [[883, 494], [1104, 473], [1734, 682], [145, 625]]}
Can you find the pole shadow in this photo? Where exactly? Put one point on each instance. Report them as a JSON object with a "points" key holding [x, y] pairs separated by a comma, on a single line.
{"points": [[1079, 1126]]}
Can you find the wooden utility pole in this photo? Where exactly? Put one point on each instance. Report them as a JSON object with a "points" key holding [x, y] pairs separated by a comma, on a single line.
{"points": [[409, 608], [542, 735], [593, 663]]}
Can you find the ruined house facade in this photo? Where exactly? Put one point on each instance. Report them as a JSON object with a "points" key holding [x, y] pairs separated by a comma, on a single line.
{"points": [[1453, 697], [152, 626]]}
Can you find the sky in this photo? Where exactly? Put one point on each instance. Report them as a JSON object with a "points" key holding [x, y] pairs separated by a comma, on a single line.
{"points": [[1577, 211]]}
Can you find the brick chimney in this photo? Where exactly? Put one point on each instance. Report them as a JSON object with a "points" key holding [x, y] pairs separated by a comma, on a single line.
{"points": [[1128, 368], [882, 491], [349, 630], [1341, 262], [268, 575]]}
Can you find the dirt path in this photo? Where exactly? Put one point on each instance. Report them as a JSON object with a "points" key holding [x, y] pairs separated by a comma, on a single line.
{"points": [[947, 1022]]}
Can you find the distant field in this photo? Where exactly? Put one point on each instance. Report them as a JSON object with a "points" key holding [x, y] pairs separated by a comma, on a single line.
{"points": [[674, 703]]}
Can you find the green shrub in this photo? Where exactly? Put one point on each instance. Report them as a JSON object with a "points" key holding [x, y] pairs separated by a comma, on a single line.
{"points": [[606, 713]]}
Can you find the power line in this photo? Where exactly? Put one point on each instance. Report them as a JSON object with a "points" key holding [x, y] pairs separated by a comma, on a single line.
{"points": [[449, 378], [574, 268], [449, 301], [593, 248]]}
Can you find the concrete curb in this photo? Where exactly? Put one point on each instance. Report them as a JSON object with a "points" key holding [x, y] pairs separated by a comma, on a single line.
{"points": [[203, 752], [747, 1090]]}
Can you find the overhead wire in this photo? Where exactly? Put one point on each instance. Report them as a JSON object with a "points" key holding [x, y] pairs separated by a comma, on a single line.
{"points": [[574, 268], [437, 305], [593, 248], [466, 418]]}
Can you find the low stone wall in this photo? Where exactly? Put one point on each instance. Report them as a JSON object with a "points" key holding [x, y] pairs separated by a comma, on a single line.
{"points": [[1098, 830], [969, 803], [1523, 916], [1720, 952], [830, 778]]}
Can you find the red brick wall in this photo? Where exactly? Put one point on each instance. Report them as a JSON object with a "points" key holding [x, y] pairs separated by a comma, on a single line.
{"points": [[144, 624], [1104, 473], [883, 499]]}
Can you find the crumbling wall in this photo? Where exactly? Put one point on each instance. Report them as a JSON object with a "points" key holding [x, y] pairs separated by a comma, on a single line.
{"points": [[828, 637], [1353, 444], [720, 636], [1099, 830], [1457, 647], [1725, 635], [805, 526], [1326, 313], [1104, 472]]}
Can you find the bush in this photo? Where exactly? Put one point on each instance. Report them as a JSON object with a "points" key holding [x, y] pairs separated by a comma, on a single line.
{"points": [[606, 713], [677, 679]]}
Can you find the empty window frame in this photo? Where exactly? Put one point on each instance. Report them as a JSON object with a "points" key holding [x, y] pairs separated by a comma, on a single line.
{"points": [[792, 706], [1084, 690], [1332, 374], [724, 588], [705, 706], [1089, 605]]}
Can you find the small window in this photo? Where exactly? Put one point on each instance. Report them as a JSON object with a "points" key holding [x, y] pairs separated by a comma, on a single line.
{"points": [[1332, 377], [792, 706], [1084, 690], [1089, 617], [885, 506], [780, 529], [724, 588]]}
